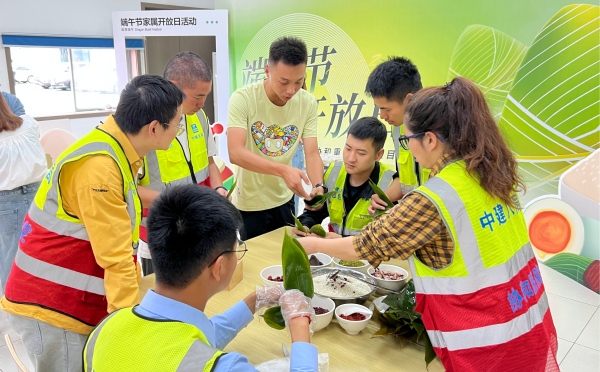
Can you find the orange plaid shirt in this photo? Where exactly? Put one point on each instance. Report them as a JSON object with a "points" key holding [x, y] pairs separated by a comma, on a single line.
{"points": [[414, 225]]}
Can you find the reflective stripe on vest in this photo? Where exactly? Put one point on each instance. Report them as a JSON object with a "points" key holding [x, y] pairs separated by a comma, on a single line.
{"points": [[179, 346], [491, 335], [358, 217], [55, 267], [406, 164], [171, 166], [59, 275], [487, 261], [47, 210]]}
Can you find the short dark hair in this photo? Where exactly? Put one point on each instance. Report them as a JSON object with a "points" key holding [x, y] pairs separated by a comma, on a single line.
{"points": [[188, 227], [394, 79], [369, 128], [290, 50], [147, 98], [186, 69]]}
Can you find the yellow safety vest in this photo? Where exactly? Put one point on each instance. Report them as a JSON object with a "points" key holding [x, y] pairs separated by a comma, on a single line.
{"points": [[171, 166], [491, 294], [406, 165], [352, 222], [160, 345], [47, 204]]}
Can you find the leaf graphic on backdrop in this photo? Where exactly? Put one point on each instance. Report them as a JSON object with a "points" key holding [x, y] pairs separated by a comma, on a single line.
{"points": [[489, 58], [551, 114]]}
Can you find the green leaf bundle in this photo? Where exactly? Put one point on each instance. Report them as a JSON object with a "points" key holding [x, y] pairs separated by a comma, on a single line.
{"points": [[299, 224], [319, 230], [383, 197], [231, 189], [296, 275], [320, 199], [402, 319]]}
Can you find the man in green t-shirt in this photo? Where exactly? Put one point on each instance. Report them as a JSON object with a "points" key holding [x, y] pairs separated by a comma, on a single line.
{"points": [[391, 84], [266, 121]]}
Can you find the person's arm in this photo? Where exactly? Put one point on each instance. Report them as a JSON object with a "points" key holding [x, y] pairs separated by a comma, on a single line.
{"points": [[242, 157], [341, 248], [314, 163], [299, 316], [214, 175], [397, 234], [93, 191], [147, 196], [228, 324]]}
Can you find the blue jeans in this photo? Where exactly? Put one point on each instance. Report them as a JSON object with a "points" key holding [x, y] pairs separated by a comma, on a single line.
{"points": [[298, 162], [14, 204]]}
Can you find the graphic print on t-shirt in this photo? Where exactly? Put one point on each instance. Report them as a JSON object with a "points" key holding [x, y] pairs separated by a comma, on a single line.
{"points": [[274, 140]]}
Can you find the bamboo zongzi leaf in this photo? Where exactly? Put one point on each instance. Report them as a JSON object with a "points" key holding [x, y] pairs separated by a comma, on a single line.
{"points": [[231, 189], [320, 199], [319, 230], [299, 224], [381, 195]]}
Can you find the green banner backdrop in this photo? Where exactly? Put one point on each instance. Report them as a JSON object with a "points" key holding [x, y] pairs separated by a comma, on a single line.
{"points": [[537, 62]]}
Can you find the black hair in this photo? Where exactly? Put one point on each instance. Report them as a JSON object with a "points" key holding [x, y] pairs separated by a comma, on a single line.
{"points": [[369, 128], [188, 227], [290, 50], [147, 98], [394, 79], [186, 69], [458, 113]]}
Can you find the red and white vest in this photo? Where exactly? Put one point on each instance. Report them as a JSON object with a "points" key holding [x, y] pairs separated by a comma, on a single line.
{"points": [[55, 266], [487, 310]]}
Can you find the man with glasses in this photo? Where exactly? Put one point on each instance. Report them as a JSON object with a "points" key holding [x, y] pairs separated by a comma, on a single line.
{"points": [[76, 261], [392, 84], [193, 235], [189, 159]]}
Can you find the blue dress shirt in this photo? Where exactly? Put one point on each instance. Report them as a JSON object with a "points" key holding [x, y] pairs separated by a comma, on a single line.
{"points": [[221, 329]]}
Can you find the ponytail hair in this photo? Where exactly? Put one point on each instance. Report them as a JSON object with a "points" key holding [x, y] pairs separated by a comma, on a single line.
{"points": [[458, 112], [8, 120]]}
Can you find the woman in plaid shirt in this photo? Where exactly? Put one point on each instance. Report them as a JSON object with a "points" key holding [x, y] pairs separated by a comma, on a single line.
{"points": [[478, 285]]}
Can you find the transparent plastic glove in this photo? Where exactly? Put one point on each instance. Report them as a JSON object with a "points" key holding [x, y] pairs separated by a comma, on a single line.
{"points": [[295, 304], [268, 296]]}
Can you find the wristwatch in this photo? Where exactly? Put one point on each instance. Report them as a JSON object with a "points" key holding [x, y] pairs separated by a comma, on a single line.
{"points": [[325, 189], [221, 187]]}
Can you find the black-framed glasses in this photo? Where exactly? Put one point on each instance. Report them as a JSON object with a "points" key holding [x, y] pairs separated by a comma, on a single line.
{"points": [[239, 252], [180, 127], [403, 140]]}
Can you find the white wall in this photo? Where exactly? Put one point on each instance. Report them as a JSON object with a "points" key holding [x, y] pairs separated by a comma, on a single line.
{"points": [[87, 18], [72, 17], [78, 126]]}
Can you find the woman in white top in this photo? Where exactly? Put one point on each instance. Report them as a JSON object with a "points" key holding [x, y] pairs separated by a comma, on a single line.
{"points": [[22, 167]]}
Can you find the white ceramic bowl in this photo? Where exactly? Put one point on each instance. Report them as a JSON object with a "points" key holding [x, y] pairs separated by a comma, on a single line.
{"points": [[362, 269], [324, 258], [352, 327], [323, 320], [394, 285], [273, 271]]}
